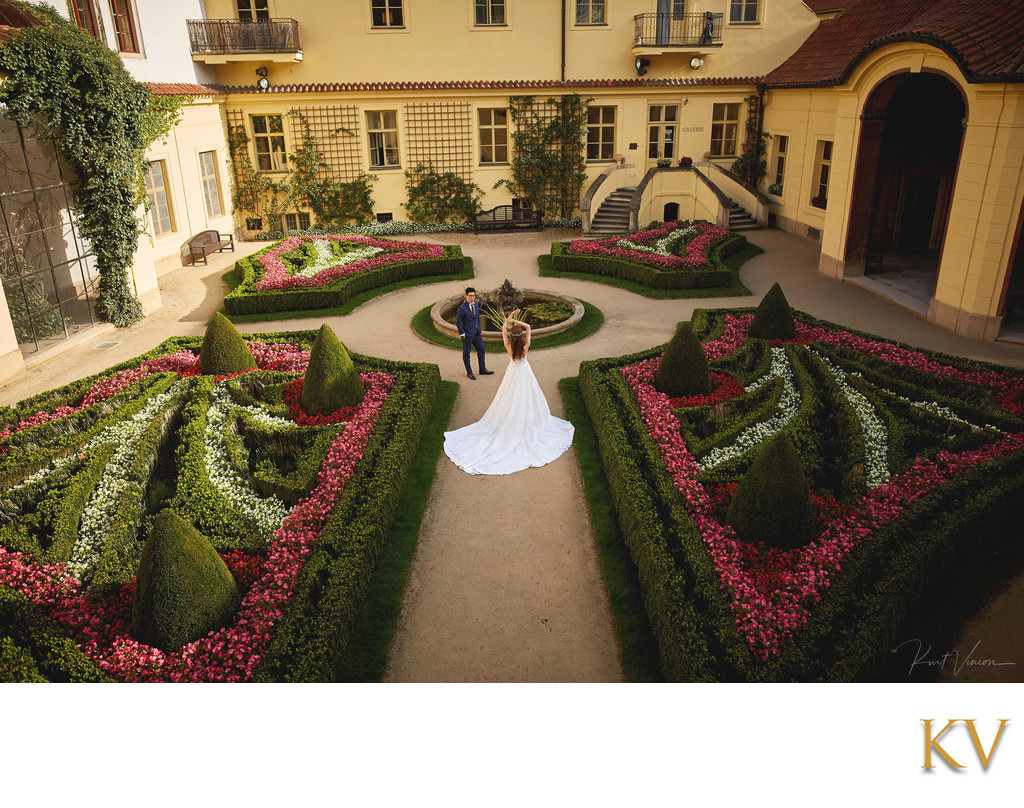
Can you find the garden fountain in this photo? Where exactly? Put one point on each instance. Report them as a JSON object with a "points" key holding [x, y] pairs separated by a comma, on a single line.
{"points": [[507, 298]]}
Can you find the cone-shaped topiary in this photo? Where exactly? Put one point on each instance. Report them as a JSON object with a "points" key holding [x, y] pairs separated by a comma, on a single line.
{"points": [[772, 503], [224, 351], [183, 589], [332, 381], [773, 318], [684, 366]]}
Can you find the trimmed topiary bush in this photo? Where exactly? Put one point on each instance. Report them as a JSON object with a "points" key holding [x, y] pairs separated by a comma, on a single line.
{"points": [[684, 367], [224, 351], [772, 503], [332, 381], [183, 589], [773, 318]]}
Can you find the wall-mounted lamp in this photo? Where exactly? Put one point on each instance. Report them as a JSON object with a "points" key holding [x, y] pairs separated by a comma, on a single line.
{"points": [[262, 84], [640, 64], [696, 63], [686, 101]]}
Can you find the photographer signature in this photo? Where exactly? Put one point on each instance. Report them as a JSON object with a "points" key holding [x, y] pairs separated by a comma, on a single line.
{"points": [[923, 657]]}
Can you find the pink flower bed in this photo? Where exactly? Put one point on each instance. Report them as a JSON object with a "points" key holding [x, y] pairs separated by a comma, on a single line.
{"points": [[231, 654], [695, 257], [276, 272], [770, 591]]}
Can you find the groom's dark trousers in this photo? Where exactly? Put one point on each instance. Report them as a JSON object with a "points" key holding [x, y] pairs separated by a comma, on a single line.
{"points": [[467, 321]]}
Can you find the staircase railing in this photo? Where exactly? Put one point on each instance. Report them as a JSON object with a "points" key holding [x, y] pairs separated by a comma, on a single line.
{"points": [[592, 199], [742, 192]]}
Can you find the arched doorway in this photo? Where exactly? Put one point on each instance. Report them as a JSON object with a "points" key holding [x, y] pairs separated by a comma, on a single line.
{"points": [[911, 132], [671, 212]]}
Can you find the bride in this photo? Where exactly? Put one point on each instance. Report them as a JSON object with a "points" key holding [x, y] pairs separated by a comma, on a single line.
{"points": [[518, 430]]}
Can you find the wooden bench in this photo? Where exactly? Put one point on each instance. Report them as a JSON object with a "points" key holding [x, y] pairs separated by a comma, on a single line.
{"points": [[202, 244], [505, 217]]}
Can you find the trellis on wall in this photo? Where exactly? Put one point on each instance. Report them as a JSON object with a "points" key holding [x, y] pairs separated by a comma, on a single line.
{"points": [[336, 130], [440, 134]]}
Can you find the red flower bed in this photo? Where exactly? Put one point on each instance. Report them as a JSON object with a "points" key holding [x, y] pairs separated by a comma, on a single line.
{"points": [[723, 388]]}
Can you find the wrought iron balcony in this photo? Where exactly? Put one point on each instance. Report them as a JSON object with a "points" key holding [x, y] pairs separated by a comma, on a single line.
{"points": [[680, 31], [220, 41]]}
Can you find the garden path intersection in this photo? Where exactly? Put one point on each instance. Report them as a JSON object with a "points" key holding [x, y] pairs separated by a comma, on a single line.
{"points": [[506, 583]]}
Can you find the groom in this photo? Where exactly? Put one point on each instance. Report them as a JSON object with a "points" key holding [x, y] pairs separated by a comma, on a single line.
{"points": [[467, 321]]}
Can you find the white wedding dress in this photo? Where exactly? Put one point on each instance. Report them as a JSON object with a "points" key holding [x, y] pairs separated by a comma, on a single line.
{"points": [[517, 432]]}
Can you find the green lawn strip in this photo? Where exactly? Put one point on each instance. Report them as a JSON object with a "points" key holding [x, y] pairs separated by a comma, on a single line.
{"points": [[640, 657], [593, 319], [367, 653], [732, 263], [232, 280]]}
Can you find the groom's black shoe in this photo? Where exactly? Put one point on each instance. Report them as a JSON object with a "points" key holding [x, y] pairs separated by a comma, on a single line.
{"points": [[486, 372], [470, 374]]}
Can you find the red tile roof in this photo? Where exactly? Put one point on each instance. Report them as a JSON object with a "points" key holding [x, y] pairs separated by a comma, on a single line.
{"points": [[985, 39], [581, 84], [824, 6], [166, 88]]}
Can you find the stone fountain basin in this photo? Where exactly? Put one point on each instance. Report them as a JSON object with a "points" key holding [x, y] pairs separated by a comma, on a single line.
{"points": [[445, 309]]}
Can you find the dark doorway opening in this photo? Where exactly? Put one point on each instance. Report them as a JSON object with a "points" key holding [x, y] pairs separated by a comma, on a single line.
{"points": [[911, 133], [671, 212]]}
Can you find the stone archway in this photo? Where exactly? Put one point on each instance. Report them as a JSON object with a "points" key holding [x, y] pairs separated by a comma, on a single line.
{"points": [[907, 157]]}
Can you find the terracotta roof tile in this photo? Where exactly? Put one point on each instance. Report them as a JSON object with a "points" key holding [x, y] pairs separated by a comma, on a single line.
{"points": [[543, 84], [171, 88], [985, 39], [823, 6]]}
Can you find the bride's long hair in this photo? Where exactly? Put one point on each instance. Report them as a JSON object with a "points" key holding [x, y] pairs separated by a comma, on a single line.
{"points": [[517, 342]]}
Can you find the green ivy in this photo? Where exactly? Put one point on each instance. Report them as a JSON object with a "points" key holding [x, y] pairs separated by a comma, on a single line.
{"points": [[751, 165], [548, 164], [63, 82], [435, 197]]}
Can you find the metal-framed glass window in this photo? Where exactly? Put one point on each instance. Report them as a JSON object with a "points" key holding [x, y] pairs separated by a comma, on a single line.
{"points": [[490, 12], [253, 9], [725, 125], [781, 147], [493, 135], [85, 16], [211, 187], [600, 133], [387, 13], [382, 129], [159, 205], [296, 221], [268, 139], [123, 12], [662, 126], [591, 12], [743, 10], [822, 170]]}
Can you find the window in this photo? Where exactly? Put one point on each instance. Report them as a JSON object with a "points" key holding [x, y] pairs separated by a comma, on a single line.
{"points": [[743, 11], [387, 13], [781, 147], [493, 135], [662, 122], [822, 168], [253, 9], [156, 191], [590, 12], [490, 12], [296, 221], [600, 133], [725, 124], [85, 18], [268, 136], [211, 189], [382, 128], [123, 13]]}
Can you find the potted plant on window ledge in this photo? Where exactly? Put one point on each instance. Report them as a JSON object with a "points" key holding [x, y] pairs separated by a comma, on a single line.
{"points": [[664, 162], [684, 162]]}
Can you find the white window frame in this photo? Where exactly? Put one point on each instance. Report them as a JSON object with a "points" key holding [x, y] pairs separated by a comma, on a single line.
{"points": [[388, 7], [376, 135], [822, 173], [491, 129], [725, 122], [210, 183], [253, 12], [277, 158], [590, 6], [603, 128], [301, 219], [781, 154], [489, 8], [744, 8], [159, 197]]}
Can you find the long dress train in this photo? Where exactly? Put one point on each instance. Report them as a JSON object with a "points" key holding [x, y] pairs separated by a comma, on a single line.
{"points": [[517, 432]]}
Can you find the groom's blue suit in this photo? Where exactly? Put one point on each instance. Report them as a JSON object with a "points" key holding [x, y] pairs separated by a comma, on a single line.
{"points": [[467, 321]]}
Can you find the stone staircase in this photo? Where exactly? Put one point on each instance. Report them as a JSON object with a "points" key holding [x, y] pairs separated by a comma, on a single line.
{"points": [[739, 219], [612, 218]]}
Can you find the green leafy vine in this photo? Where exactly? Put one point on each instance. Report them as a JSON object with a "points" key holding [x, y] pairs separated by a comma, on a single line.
{"points": [[440, 198], [61, 81]]}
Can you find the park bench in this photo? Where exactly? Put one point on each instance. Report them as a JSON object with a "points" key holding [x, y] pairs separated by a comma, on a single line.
{"points": [[505, 217], [202, 244]]}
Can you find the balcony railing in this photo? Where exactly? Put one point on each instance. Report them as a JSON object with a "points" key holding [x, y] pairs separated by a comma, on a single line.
{"points": [[677, 30], [244, 36]]}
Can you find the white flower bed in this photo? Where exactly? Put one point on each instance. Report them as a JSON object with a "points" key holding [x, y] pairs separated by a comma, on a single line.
{"points": [[788, 406], [663, 246], [325, 257]]}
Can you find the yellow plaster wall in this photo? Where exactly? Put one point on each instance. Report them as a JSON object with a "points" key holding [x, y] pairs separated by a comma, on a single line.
{"points": [[440, 42], [12, 363]]}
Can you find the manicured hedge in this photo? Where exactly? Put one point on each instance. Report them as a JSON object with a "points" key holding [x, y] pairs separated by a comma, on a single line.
{"points": [[872, 601], [246, 299]]}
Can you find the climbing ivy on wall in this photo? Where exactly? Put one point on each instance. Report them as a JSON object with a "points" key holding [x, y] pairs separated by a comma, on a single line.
{"points": [[548, 160], [61, 81], [752, 165], [438, 197]]}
